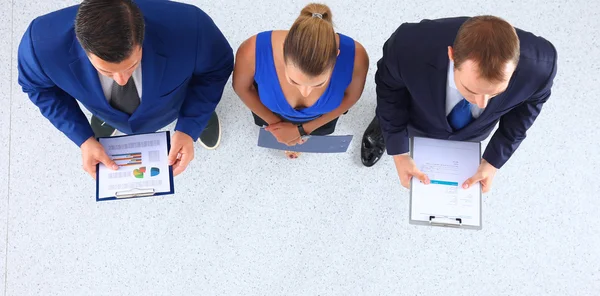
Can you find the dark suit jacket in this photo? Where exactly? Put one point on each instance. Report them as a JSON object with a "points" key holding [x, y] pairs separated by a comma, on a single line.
{"points": [[411, 90], [186, 63]]}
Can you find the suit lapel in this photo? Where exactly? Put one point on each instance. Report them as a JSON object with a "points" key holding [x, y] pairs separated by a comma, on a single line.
{"points": [[87, 77], [438, 73], [153, 67]]}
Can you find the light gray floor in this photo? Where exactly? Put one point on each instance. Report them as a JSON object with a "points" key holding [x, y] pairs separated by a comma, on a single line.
{"points": [[246, 221]]}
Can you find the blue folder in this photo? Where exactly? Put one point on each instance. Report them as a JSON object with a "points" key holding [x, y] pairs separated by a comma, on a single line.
{"points": [[314, 144]]}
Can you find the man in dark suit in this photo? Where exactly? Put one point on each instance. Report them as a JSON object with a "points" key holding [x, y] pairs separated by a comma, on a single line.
{"points": [[455, 79], [135, 66]]}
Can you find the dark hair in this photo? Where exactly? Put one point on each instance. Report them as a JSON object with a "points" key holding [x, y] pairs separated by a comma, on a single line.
{"points": [[311, 44], [109, 29], [490, 42]]}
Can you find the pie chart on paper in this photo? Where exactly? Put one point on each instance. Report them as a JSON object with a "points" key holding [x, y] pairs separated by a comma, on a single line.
{"points": [[141, 172]]}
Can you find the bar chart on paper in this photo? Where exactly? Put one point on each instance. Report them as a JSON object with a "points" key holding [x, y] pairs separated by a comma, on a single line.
{"points": [[127, 159]]}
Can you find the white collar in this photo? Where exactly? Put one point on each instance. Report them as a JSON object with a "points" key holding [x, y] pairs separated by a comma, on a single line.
{"points": [[451, 82]]}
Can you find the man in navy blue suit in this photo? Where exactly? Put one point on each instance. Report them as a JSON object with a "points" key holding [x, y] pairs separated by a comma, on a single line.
{"points": [[135, 66], [456, 79]]}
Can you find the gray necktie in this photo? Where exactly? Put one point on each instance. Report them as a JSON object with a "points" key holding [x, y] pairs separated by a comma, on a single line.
{"points": [[125, 98]]}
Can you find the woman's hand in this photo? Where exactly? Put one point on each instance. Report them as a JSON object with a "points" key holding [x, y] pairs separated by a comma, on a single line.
{"points": [[285, 133]]}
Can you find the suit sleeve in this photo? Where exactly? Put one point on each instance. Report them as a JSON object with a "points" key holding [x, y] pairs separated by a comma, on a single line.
{"points": [[214, 64], [393, 98], [56, 105], [513, 126]]}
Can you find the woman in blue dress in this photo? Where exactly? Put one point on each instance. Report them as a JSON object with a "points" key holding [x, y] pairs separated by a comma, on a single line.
{"points": [[298, 82]]}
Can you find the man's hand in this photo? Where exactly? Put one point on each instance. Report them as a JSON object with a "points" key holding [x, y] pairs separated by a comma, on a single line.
{"points": [[182, 152], [485, 175], [285, 132], [93, 153], [407, 169]]}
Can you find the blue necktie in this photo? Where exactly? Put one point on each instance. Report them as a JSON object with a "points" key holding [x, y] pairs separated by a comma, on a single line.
{"points": [[460, 116]]}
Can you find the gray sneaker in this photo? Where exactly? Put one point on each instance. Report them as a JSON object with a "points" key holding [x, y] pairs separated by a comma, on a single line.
{"points": [[211, 135], [101, 129]]}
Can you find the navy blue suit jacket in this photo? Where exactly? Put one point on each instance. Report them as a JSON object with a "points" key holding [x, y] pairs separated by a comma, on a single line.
{"points": [[186, 63], [411, 90]]}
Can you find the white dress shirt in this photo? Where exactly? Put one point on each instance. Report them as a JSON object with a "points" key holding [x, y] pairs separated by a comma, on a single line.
{"points": [[107, 83], [453, 96]]}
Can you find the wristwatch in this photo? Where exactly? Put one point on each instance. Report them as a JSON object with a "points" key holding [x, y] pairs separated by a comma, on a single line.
{"points": [[301, 130]]}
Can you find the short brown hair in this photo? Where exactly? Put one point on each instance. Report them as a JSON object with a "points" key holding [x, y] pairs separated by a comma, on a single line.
{"points": [[310, 43], [490, 42], [109, 29]]}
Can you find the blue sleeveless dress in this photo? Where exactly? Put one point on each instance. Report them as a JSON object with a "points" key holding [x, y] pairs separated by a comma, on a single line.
{"points": [[271, 94]]}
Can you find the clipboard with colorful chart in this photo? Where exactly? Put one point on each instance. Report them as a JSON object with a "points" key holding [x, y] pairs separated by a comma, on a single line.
{"points": [[143, 167]]}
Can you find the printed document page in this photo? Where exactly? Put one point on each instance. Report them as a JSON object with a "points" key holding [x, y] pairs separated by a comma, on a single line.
{"points": [[143, 165], [448, 164]]}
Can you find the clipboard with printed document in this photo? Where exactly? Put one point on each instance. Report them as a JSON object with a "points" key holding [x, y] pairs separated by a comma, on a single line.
{"points": [[143, 167], [444, 202]]}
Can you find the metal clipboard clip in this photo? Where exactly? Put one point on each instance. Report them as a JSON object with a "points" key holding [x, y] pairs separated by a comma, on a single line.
{"points": [[135, 192], [445, 221]]}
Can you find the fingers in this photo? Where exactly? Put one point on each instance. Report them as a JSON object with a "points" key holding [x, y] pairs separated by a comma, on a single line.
{"points": [[90, 166], [485, 186], [175, 150], [90, 169], [186, 155], [421, 176], [179, 166], [272, 127], [405, 181], [471, 181], [177, 169], [406, 178], [278, 136], [107, 161], [183, 163], [295, 142], [279, 139], [284, 135]]}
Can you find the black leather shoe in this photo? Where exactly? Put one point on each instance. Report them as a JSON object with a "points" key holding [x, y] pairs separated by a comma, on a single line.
{"points": [[373, 144], [101, 129], [211, 135]]}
